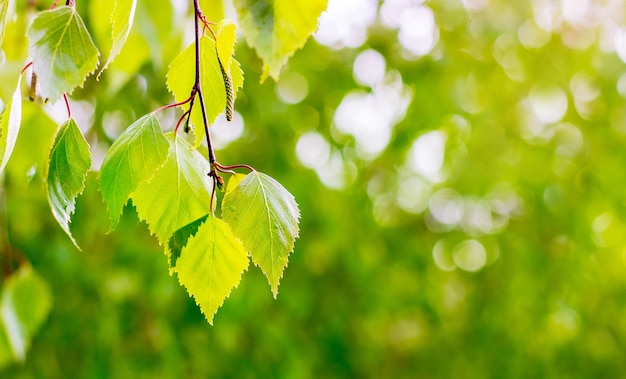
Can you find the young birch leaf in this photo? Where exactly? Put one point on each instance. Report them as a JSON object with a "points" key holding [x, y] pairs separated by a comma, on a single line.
{"points": [[225, 43], [132, 159], [65, 173], [264, 215], [121, 22], [4, 16], [179, 240], [62, 51], [181, 76], [211, 265], [233, 182], [178, 193], [277, 28], [24, 306], [10, 125]]}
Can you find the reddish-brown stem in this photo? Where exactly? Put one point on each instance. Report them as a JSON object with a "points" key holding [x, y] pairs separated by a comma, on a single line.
{"points": [[54, 4], [207, 25], [180, 120], [222, 168], [197, 89], [174, 104], [67, 105], [197, 85], [26, 67]]}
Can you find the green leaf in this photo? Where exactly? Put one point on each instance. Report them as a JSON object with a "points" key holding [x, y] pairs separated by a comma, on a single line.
{"points": [[62, 51], [233, 182], [4, 16], [179, 240], [277, 28], [178, 193], [65, 173], [24, 306], [225, 43], [121, 22], [181, 77], [6, 354], [10, 125], [134, 157], [264, 215], [211, 265]]}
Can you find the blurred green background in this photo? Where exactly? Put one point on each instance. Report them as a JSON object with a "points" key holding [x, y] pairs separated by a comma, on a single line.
{"points": [[460, 168]]}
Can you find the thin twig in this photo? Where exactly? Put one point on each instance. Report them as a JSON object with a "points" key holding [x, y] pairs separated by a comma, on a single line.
{"points": [[26, 67], [180, 120], [222, 168], [67, 105], [173, 105]]}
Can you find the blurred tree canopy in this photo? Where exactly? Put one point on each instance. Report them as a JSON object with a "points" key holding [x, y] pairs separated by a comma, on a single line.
{"points": [[459, 166]]}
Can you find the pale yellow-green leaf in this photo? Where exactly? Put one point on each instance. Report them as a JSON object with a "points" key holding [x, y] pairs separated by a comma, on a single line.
{"points": [[211, 265], [181, 76], [62, 51], [10, 121], [233, 182], [133, 158], [225, 43], [212, 9], [65, 173], [277, 28], [121, 22], [178, 193], [265, 216], [4, 15]]}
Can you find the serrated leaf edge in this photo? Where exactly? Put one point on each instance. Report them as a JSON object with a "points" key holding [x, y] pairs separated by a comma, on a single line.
{"points": [[97, 62], [156, 168], [236, 240], [273, 287], [14, 105], [150, 228], [72, 201], [115, 51]]}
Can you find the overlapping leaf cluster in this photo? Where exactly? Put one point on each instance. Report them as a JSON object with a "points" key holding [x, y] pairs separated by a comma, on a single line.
{"points": [[168, 183], [63, 56], [165, 177]]}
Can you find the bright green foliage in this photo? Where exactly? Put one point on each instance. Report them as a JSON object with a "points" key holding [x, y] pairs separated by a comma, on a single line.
{"points": [[24, 306], [132, 159], [477, 231], [225, 43], [233, 182], [178, 193], [265, 216], [4, 15], [181, 75], [179, 240], [277, 28], [211, 265], [62, 50], [10, 125], [121, 22], [67, 169]]}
